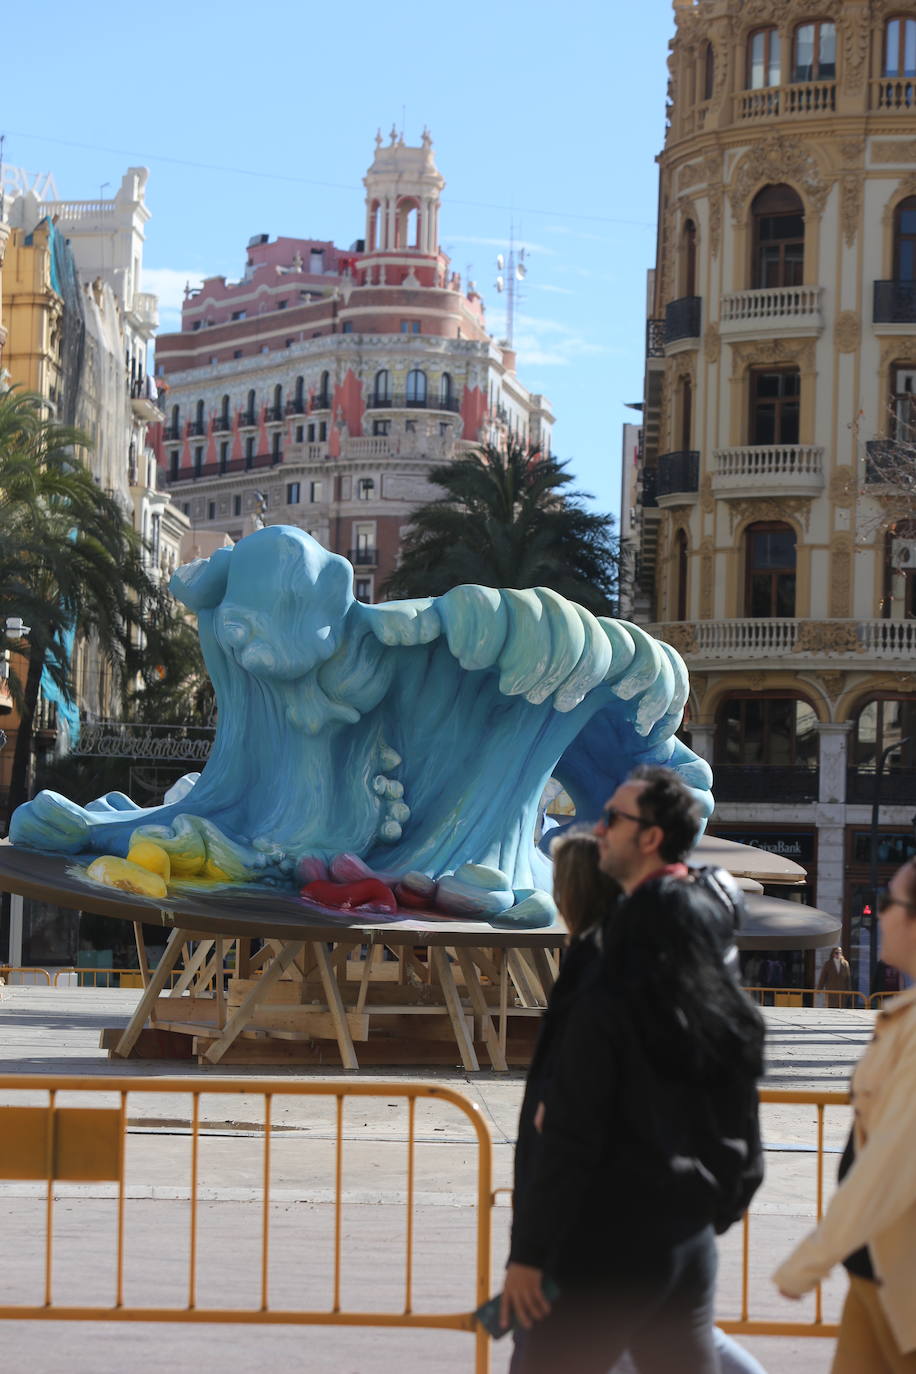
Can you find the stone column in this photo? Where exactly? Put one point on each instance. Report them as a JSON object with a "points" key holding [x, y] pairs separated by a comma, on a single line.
{"points": [[832, 762]]}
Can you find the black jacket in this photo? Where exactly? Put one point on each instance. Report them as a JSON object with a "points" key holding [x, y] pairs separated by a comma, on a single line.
{"points": [[631, 1161]]}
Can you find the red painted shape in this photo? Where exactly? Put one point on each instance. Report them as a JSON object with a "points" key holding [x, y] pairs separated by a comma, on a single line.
{"points": [[348, 397], [473, 413], [370, 894], [263, 443], [236, 450], [211, 440], [186, 447], [333, 441]]}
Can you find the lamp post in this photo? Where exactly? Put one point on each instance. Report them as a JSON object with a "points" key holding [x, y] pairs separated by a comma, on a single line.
{"points": [[873, 873]]}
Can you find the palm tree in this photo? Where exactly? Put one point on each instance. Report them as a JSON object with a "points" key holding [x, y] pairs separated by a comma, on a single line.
{"points": [[505, 520], [69, 562]]}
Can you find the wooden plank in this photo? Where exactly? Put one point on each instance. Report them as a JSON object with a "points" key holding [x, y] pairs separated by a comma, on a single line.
{"points": [[366, 973], [141, 952], [335, 1006], [310, 1022], [242, 1014], [520, 973], [147, 1002], [481, 1010], [152, 1043], [191, 967], [220, 982], [545, 973], [443, 970], [242, 957]]}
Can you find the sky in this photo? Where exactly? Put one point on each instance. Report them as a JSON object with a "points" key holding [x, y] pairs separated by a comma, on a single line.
{"points": [[262, 118]]}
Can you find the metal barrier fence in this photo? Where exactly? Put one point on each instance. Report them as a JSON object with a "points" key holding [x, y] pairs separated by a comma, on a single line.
{"points": [[833, 997], [21, 974], [52, 1149]]}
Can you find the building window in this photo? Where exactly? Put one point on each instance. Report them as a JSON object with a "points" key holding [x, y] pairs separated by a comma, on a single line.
{"points": [[365, 488], [903, 403], [814, 51], [905, 240], [416, 387], [363, 588], [324, 391], [689, 259], [174, 458], [238, 314], [278, 403], [685, 413], [299, 396], [774, 406], [769, 732], [880, 723], [236, 353], [410, 426], [680, 554], [314, 492], [249, 452], [444, 428], [250, 417], [779, 238], [300, 431], [410, 326], [211, 510], [311, 434], [198, 459], [770, 557], [281, 305], [381, 388], [236, 505], [224, 455], [762, 59], [709, 71], [445, 390], [900, 47], [380, 428], [292, 493], [347, 327], [275, 449], [185, 508], [323, 432]]}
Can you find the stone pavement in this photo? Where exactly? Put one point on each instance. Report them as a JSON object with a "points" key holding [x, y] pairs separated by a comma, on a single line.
{"points": [[49, 1030]]}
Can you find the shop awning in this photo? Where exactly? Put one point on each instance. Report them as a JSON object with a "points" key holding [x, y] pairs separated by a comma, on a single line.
{"points": [[772, 923], [746, 861]]}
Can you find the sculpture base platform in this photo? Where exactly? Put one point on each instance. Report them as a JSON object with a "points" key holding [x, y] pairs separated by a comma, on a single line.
{"points": [[255, 978]]}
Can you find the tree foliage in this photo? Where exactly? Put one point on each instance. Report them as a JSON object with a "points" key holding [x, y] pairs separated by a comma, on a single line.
{"points": [[506, 519]]}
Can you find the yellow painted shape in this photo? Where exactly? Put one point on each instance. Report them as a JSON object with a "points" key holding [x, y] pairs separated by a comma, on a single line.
{"points": [[76, 1144], [126, 876], [188, 864], [151, 856], [215, 873]]}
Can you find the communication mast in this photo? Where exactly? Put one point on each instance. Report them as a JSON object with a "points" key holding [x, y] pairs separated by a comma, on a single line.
{"points": [[511, 271]]}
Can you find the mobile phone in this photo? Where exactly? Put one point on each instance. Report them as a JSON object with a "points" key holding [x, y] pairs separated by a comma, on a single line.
{"points": [[488, 1313]]}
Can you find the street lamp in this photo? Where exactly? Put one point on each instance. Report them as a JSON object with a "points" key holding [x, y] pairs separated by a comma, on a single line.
{"points": [[873, 873]]}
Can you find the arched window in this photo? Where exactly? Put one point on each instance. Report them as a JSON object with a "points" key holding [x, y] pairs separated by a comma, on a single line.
{"points": [[408, 224], [680, 572], [880, 722], [381, 390], [774, 403], [762, 59], [814, 51], [445, 390], [900, 47], [779, 238], [689, 259], [416, 387], [224, 413], [375, 216], [278, 403], [250, 416], [769, 563], [709, 71], [299, 402], [176, 420], [685, 413], [905, 240], [766, 731], [324, 391], [199, 418]]}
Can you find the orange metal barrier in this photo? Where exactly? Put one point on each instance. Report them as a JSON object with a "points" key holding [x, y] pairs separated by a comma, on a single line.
{"points": [[795, 997], [91, 977], [19, 974], [58, 1146]]}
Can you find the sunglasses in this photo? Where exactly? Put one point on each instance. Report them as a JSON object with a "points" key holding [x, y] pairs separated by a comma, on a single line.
{"points": [[886, 898], [610, 814]]}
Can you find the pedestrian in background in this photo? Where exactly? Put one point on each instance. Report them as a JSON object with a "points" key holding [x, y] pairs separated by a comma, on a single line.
{"points": [[836, 979], [870, 1225]]}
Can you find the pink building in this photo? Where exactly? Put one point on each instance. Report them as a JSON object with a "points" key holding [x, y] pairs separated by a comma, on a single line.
{"points": [[321, 388]]}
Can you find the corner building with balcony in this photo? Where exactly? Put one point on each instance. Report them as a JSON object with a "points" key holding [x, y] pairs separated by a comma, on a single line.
{"points": [[321, 388], [776, 522]]}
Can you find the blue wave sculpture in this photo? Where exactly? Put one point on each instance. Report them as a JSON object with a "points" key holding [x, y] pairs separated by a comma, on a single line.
{"points": [[415, 735]]}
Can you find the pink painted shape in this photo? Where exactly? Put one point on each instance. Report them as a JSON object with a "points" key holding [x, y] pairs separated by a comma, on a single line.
{"points": [[473, 413], [348, 397]]}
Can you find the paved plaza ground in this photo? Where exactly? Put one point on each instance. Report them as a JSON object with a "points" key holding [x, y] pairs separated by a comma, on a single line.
{"points": [[50, 1030]]}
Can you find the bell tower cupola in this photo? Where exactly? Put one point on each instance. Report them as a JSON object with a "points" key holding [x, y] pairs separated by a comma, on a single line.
{"points": [[403, 186]]}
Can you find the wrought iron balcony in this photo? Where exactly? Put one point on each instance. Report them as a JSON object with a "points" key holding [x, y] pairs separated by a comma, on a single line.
{"points": [[222, 424], [898, 786], [895, 302], [363, 558], [172, 433], [738, 782], [682, 319], [678, 474], [197, 428], [297, 406]]}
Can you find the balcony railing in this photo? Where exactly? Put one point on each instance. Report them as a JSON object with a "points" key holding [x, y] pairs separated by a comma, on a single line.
{"points": [[893, 93], [795, 468], [222, 424], [172, 433], [196, 428], [895, 302], [799, 98], [774, 637], [787, 306], [655, 338], [682, 319], [363, 558], [898, 786], [738, 782], [298, 406], [273, 414], [678, 473], [378, 403], [248, 419], [402, 401]]}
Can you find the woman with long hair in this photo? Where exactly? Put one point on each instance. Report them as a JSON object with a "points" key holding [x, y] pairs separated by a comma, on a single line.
{"points": [[649, 1145], [870, 1225]]}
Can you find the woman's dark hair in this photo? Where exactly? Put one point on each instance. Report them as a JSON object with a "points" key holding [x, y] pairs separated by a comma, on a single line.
{"points": [[690, 1015], [583, 893], [668, 802]]}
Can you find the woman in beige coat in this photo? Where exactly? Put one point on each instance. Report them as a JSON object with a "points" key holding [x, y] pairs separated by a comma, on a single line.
{"points": [[870, 1225]]}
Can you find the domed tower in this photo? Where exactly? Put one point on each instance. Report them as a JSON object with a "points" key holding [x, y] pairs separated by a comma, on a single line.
{"points": [[779, 445], [403, 186]]}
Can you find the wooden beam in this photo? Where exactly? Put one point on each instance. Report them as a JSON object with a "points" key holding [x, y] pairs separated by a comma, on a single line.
{"points": [[465, 1044], [481, 1010], [335, 1006], [242, 1015], [156, 983]]}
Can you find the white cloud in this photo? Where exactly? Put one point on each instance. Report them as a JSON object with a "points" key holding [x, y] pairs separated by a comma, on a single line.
{"points": [[502, 244], [545, 286], [542, 342], [168, 283]]}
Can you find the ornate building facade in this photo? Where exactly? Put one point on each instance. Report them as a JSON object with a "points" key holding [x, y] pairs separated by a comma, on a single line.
{"points": [[776, 520], [321, 388]]}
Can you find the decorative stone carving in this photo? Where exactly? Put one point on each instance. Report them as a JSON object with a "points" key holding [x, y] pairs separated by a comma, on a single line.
{"points": [[756, 681], [855, 46], [850, 205], [846, 331], [777, 159], [715, 219], [707, 569], [906, 186], [841, 556], [681, 637], [764, 351], [691, 174], [843, 487], [852, 150], [762, 508], [833, 682], [900, 350], [712, 344], [890, 151], [826, 637], [707, 500]]}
